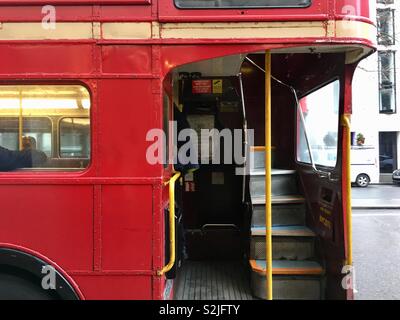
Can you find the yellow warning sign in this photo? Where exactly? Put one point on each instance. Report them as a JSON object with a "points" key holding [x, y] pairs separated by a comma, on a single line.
{"points": [[217, 86]]}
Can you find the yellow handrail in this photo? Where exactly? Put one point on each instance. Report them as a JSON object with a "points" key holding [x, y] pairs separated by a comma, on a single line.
{"points": [[268, 168], [347, 164], [20, 121], [172, 254]]}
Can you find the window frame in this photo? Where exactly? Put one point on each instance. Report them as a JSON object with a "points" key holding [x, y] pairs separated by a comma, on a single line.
{"points": [[298, 126], [391, 36], [90, 87], [393, 85], [310, 2]]}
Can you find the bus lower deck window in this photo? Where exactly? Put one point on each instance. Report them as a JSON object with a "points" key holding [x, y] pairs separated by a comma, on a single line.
{"points": [[44, 127], [209, 4]]}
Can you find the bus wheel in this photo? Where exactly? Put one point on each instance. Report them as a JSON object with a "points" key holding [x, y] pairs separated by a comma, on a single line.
{"points": [[18, 288], [362, 180]]}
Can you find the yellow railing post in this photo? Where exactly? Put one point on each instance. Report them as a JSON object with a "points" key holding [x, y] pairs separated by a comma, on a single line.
{"points": [[268, 168], [347, 164], [20, 121], [172, 244]]}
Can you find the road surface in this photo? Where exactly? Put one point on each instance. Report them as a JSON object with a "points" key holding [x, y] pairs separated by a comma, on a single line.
{"points": [[376, 245]]}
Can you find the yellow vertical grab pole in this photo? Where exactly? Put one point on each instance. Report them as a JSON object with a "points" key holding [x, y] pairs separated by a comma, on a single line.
{"points": [[347, 164], [20, 122], [268, 168]]}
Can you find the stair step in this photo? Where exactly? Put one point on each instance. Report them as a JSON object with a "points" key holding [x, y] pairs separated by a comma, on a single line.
{"points": [[288, 267], [287, 199], [257, 156], [291, 279], [282, 215], [284, 182], [285, 231], [289, 243], [274, 172]]}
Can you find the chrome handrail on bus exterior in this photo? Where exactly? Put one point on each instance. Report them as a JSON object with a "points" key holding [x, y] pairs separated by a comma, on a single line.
{"points": [[172, 244]]}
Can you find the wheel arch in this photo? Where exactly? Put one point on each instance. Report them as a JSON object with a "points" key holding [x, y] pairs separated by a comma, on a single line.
{"points": [[23, 260]]}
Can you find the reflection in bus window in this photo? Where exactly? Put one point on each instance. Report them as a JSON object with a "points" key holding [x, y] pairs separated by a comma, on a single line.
{"points": [[75, 138], [321, 114], [44, 126], [208, 4]]}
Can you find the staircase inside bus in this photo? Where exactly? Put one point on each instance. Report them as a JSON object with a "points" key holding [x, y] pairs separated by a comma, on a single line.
{"points": [[297, 272]]}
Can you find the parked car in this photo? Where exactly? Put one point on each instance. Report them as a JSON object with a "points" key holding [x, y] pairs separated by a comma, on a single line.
{"points": [[396, 177], [386, 163], [364, 166]]}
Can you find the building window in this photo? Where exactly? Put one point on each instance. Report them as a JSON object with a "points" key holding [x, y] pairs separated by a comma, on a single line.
{"points": [[386, 32], [386, 1], [222, 4], [44, 127], [387, 82], [387, 152]]}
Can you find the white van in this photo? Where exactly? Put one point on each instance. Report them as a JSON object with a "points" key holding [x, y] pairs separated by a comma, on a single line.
{"points": [[364, 166]]}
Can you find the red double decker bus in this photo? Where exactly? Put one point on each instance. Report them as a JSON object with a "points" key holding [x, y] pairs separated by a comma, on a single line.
{"points": [[95, 98]]}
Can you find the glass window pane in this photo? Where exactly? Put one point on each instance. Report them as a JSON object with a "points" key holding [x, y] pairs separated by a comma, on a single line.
{"points": [[386, 66], [386, 27], [30, 118], [321, 114], [387, 99], [75, 138], [187, 4], [386, 1], [37, 128], [387, 81]]}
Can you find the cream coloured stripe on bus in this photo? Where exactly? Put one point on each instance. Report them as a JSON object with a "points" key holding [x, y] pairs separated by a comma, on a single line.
{"points": [[154, 30]]}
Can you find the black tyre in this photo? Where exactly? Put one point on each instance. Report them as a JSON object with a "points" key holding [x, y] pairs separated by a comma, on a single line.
{"points": [[363, 180], [13, 287]]}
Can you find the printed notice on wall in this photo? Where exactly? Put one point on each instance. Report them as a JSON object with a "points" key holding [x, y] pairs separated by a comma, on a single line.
{"points": [[201, 86], [206, 143]]}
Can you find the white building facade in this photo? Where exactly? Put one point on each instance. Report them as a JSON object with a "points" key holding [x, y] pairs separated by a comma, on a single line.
{"points": [[376, 93]]}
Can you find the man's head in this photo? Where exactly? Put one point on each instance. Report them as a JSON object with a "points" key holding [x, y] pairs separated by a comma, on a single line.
{"points": [[28, 143]]}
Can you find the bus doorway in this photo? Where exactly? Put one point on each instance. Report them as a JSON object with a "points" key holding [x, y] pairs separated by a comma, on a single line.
{"points": [[208, 104], [222, 214]]}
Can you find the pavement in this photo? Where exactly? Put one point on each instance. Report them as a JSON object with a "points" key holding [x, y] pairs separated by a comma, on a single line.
{"points": [[376, 254], [376, 239], [376, 197]]}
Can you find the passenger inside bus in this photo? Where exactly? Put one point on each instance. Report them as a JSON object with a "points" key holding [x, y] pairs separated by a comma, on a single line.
{"points": [[28, 157]]}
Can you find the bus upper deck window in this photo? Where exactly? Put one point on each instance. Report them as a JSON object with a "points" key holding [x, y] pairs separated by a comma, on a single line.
{"points": [[44, 127], [225, 4], [321, 116]]}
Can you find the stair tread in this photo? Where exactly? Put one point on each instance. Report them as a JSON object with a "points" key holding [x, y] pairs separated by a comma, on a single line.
{"points": [[291, 231], [274, 172], [289, 267], [279, 199]]}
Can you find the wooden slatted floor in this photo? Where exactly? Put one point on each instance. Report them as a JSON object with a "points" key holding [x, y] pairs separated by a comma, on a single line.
{"points": [[213, 280]]}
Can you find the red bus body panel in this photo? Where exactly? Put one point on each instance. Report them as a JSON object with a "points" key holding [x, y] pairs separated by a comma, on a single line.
{"points": [[104, 227]]}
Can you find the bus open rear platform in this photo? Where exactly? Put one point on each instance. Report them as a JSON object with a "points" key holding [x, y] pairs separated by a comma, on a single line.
{"points": [[213, 280]]}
